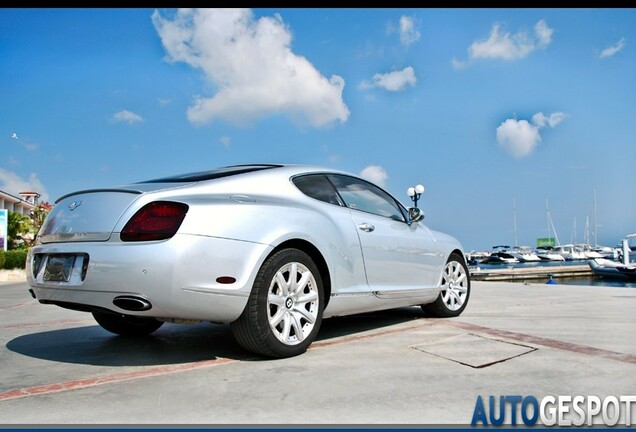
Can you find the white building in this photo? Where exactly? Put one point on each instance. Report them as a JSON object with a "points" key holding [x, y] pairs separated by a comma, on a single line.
{"points": [[22, 205]]}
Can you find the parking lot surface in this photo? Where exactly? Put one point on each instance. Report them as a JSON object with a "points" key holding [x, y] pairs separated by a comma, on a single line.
{"points": [[397, 367]]}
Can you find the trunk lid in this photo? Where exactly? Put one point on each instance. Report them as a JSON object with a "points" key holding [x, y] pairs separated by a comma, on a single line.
{"points": [[86, 216]]}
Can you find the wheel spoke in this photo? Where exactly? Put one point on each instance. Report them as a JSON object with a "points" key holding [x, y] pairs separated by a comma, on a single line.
{"points": [[306, 298], [282, 283], [276, 300], [305, 314], [451, 293], [293, 275], [302, 283], [277, 318], [458, 299], [298, 329], [455, 269], [451, 296], [446, 296], [286, 328], [460, 278]]}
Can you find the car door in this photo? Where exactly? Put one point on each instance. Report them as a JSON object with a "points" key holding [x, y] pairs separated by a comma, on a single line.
{"points": [[397, 255]]}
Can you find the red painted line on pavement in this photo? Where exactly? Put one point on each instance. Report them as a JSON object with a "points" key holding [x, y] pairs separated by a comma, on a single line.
{"points": [[354, 338], [15, 306], [547, 342], [170, 369], [109, 379]]}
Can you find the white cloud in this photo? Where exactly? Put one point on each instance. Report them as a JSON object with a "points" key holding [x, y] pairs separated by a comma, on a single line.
{"points": [[125, 116], [251, 63], [543, 33], [408, 32], [375, 174], [511, 46], [520, 138], [392, 81], [13, 184], [30, 146], [541, 120], [458, 64], [226, 141], [407, 29], [611, 50]]}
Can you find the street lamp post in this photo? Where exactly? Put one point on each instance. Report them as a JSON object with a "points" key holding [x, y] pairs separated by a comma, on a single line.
{"points": [[415, 193]]}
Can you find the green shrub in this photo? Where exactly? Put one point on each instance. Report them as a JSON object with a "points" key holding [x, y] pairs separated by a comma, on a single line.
{"points": [[15, 259], [2, 257]]}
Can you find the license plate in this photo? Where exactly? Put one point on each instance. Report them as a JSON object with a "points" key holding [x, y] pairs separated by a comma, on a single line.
{"points": [[58, 268]]}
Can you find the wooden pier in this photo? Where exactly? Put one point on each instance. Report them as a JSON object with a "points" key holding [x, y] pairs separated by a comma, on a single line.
{"points": [[509, 273]]}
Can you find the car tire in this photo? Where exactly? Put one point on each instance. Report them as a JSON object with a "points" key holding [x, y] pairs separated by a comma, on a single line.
{"points": [[126, 325], [453, 297], [282, 317]]}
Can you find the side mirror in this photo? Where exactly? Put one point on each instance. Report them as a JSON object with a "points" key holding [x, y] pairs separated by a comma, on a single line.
{"points": [[415, 214]]}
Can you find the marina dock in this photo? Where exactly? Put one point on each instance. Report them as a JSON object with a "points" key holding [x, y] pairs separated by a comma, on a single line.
{"points": [[510, 273]]}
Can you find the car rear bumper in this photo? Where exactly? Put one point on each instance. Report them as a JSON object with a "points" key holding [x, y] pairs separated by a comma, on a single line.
{"points": [[187, 277]]}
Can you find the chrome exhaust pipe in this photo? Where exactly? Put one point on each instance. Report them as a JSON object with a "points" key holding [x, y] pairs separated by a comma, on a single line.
{"points": [[132, 303]]}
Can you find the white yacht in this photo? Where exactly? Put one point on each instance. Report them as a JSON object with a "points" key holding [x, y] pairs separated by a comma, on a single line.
{"points": [[524, 254], [570, 252], [548, 254]]}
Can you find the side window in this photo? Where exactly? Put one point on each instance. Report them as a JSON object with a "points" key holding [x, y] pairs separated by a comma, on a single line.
{"points": [[318, 187], [360, 195]]}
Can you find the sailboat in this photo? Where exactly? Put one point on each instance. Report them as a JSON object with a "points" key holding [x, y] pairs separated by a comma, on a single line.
{"points": [[520, 253], [586, 248], [548, 253]]}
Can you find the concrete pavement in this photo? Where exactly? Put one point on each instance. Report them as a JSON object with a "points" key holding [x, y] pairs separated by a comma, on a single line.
{"points": [[396, 367]]}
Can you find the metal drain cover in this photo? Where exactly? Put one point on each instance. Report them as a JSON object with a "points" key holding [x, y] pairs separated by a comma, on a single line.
{"points": [[474, 351]]}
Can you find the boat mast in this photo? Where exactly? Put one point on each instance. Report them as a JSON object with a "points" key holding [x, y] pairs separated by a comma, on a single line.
{"points": [[595, 224], [514, 221], [551, 227]]}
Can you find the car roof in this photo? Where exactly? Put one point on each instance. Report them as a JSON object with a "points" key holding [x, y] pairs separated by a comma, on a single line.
{"points": [[227, 172]]}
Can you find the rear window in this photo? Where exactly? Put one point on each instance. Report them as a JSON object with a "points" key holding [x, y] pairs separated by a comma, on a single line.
{"points": [[211, 175], [318, 187]]}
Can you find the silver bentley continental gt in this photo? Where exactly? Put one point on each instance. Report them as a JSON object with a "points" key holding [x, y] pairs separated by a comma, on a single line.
{"points": [[269, 249]]}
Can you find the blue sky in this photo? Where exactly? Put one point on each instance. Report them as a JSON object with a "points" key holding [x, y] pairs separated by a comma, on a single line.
{"points": [[485, 107]]}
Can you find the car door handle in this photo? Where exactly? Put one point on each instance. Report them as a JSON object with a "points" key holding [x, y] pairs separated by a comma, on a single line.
{"points": [[366, 227]]}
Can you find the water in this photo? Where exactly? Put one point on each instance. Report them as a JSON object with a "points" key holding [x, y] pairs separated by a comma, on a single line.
{"points": [[593, 280]]}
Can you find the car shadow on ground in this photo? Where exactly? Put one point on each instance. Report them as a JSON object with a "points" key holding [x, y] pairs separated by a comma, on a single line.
{"points": [[178, 343], [354, 324]]}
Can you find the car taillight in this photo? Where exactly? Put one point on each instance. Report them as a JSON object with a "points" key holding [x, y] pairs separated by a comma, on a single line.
{"points": [[157, 220]]}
